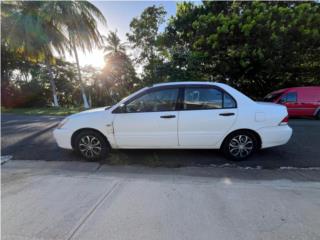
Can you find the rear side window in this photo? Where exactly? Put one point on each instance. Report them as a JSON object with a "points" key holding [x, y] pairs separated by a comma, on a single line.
{"points": [[206, 98], [228, 101], [289, 97]]}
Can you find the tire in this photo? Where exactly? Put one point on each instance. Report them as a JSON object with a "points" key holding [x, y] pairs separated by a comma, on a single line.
{"points": [[240, 145], [91, 145], [318, 115]]}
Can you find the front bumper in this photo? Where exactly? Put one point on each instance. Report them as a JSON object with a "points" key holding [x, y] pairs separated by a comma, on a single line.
{"points": [[63, 138], [275, 136]]}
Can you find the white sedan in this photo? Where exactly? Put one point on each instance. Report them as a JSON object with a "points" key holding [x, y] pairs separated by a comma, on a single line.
{"points": [[180, 115]]}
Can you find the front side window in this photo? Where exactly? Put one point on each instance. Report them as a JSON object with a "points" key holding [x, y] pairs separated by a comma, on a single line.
{"points": [[155, 101], [289, 97], [206, 98], [292, 97]]}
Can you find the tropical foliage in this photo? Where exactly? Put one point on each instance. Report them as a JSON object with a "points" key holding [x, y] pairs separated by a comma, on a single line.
{"points": [[35, 29], [144, 37], [118, 77], [255, 46]]}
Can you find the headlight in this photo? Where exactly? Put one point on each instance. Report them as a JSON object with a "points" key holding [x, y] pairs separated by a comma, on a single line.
{"points": [[62, 123]]}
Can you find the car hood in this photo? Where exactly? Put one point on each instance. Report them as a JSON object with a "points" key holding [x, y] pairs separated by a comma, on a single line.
{"points": [[90, 112]]}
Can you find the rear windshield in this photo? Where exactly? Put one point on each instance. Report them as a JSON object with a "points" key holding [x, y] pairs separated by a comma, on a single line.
{"points": [[271, 97]]}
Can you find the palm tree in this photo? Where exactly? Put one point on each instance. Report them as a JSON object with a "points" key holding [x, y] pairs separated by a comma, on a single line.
{"points": [[115, 51], [32, 35], [36, 29], [78, 19], [113, 45], [118, 72]]}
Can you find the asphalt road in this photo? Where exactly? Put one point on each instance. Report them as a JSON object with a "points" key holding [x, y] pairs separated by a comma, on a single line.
{"points": [[72, 200], [31, 138]]}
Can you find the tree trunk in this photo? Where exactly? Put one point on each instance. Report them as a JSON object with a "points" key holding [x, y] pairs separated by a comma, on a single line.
{"points": [[90, 100], [53, 86], [84, 97]]}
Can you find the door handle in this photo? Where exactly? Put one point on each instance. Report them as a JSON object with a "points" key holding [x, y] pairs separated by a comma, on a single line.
{"points": [[168, 116], [226, 114]]}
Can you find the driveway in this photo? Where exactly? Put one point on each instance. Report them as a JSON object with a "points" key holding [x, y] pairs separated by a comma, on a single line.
{"points": [[30, 138], [72, 200]]}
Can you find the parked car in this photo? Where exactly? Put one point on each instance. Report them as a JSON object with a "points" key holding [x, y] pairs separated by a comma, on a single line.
{"points": [[300, 101], [181, 115]]}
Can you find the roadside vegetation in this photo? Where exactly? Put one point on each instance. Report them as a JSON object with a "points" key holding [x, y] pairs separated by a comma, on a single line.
{"points": [[256, 47], [56, 111]]}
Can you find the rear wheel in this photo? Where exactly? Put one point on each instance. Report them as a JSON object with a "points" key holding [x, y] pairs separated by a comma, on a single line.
{"points": [[318, 115], [240, 145], [91, 145]]}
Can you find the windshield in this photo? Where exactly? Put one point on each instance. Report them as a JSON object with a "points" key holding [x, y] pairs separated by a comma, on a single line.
{"points": [[271, 97]]}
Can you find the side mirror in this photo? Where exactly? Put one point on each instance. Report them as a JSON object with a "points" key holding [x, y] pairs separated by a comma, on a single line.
{"points": [[120, 109]]}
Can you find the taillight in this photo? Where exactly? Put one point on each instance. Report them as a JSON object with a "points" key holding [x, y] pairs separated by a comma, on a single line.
{"points": [[284, 121]]}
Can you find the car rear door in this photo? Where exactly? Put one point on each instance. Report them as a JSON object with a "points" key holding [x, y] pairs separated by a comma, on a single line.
{"points": [[148, 121], [206, 115]]}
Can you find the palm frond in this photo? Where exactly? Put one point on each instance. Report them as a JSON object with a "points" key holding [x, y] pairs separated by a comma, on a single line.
{"points": [[32, 27]]}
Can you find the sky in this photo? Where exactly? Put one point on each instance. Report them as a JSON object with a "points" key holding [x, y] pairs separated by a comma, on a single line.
{"points": [[119, 15]]}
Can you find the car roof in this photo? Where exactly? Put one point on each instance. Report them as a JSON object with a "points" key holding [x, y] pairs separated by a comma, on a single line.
{"points": [[240, 97], [279, 91], [295, 88], [184, 83]]}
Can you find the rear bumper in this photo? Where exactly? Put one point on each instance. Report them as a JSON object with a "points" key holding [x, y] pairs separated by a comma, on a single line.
{"points": [[275, 136], [63, 138]]}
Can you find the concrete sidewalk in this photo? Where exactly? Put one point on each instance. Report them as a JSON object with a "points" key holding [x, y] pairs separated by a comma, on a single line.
{"points": [[72, 200]]}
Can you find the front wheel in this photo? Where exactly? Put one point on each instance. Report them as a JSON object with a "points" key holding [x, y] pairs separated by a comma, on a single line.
{"points": [[240, 145], [91, 145]]}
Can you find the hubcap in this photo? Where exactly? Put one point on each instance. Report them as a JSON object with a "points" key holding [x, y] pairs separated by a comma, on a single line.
{"points": [[90, 146], [241, 146]]}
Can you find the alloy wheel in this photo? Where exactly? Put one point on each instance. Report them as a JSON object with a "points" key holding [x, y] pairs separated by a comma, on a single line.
{"points": [[241, 146], [90, 146]]}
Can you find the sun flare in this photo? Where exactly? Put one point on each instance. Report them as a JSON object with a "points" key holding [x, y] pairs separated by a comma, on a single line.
{"points": [[94, 58]]}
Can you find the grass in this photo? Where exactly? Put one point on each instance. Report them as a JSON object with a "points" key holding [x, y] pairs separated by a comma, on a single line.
{"points": [[147, 157], [55, 111]]}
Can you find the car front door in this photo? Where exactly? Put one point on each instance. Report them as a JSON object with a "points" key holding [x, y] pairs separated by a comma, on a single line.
{"points": [[295, 108], [207, 114], [148, 121]]}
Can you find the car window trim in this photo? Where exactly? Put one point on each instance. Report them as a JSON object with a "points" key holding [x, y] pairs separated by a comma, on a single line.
{"points": [[180, 98], [208, 87], [147, 91]]}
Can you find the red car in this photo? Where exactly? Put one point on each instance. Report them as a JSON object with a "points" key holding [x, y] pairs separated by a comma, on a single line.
{"points": [[300, 101]]}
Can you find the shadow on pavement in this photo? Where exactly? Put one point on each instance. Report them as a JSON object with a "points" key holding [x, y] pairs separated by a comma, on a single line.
{"points": [[31, 138]]}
